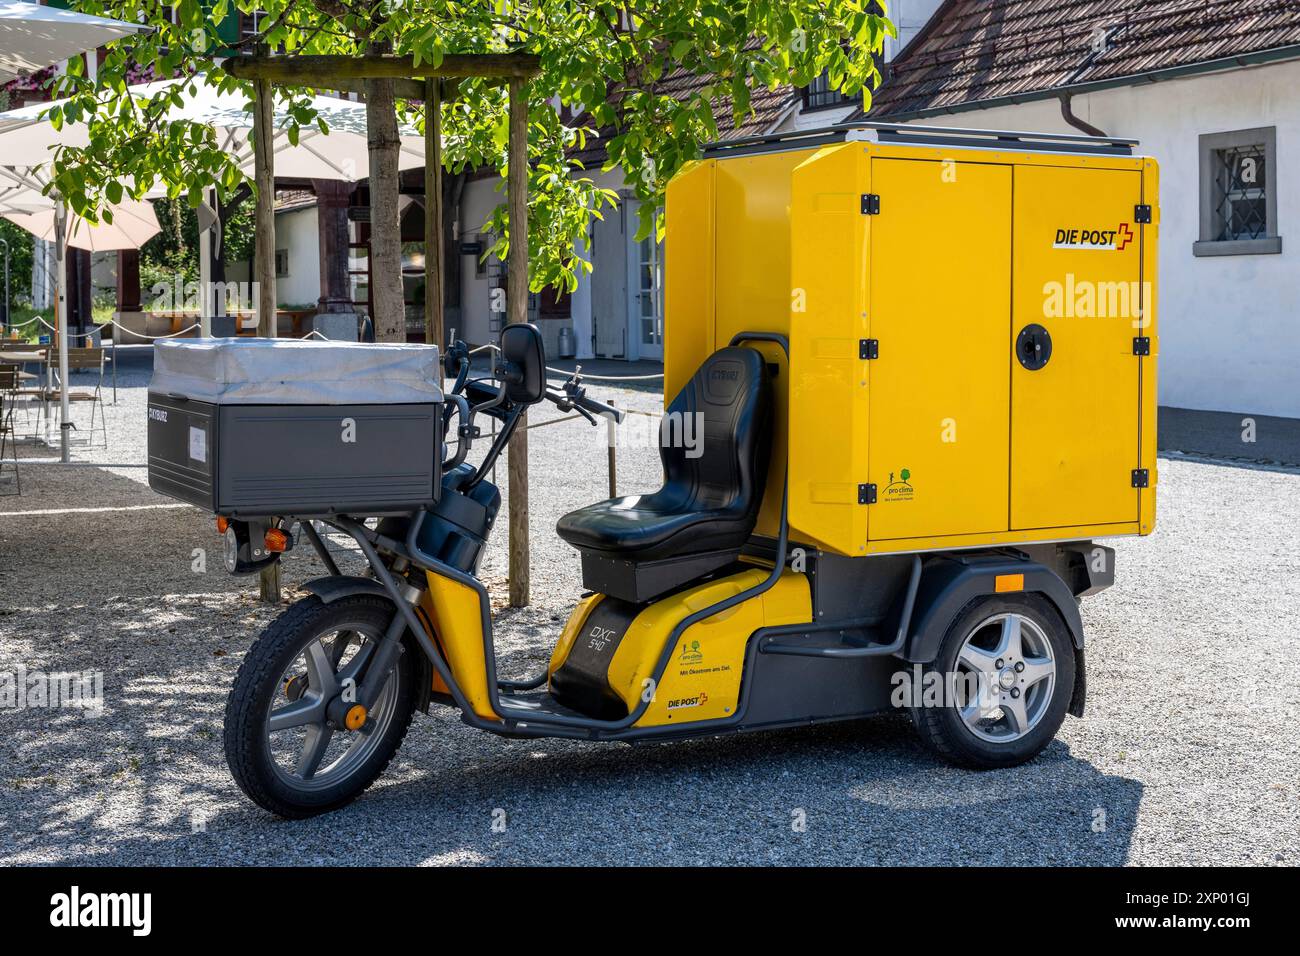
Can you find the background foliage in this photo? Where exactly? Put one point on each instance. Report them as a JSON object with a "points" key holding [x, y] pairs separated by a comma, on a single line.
{"points": [[603, 63]]}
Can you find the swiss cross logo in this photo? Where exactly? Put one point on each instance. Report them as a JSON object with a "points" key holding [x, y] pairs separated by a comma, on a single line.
{"points": [[1125, 236]]}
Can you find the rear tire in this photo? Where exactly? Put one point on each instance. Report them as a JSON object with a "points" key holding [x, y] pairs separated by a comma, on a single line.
{"points": [[997, 647], [302, 644]]}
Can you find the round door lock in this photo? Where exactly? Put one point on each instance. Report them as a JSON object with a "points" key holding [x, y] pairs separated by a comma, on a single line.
{"points": [[1033, 347]]}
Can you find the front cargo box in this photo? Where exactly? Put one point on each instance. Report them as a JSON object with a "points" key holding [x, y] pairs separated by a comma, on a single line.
{"points": [[913, 282], [253, 428]]}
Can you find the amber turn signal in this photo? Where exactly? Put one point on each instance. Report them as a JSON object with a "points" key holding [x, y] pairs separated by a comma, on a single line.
{"points": [[276, 540], [222, 525]]}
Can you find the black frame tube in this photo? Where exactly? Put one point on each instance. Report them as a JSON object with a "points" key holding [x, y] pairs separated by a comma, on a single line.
{"points": [[321, 551]]}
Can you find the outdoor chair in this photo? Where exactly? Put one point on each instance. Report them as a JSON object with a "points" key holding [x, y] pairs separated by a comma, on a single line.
{"points": [[31, 386], [89, 360], [9, 378]]}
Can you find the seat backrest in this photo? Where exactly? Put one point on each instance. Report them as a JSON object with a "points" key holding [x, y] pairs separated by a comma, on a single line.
{"points": [[716, 435], [87, 357]]}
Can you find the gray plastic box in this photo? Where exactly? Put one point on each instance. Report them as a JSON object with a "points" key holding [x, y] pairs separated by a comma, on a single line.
{"points": [[257, 428]]}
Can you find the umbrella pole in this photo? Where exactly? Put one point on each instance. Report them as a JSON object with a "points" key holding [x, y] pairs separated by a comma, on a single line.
{"points": [[61, 321]]}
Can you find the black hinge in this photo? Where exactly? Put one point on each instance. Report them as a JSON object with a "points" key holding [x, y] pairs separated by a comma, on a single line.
{"points": [[1141, 478], [870, 204], [868, 348], [1142, 214], [1141, 345], [866, 494]]}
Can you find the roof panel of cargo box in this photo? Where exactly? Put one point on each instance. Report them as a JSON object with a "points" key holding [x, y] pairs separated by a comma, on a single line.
{"points": [[868, 131], [296, 372]]}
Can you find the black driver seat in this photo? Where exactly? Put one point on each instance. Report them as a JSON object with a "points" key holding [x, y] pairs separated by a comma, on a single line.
{"points": [[634, 547]]}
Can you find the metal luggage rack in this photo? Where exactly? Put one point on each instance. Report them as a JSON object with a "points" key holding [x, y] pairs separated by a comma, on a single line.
{"points": [[868, 131]]}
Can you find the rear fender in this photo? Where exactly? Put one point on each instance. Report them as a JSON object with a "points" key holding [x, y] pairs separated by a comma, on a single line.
{"points": [[950, 583]]}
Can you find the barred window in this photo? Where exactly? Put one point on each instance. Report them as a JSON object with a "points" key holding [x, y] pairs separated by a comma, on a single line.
{"points": [[819, 95], [1239, 193]]}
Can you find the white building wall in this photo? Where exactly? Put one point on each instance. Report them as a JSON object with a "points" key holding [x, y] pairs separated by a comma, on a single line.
{"points": [[479, 198], [298, 231], [908, 16], [1229, 325]]}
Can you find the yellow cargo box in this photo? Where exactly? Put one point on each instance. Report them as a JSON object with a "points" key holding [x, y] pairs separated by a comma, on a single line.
{"points": [[972, 327]]}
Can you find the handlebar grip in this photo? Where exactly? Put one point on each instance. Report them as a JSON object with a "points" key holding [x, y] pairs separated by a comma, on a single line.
{"points": [[600, 408]]}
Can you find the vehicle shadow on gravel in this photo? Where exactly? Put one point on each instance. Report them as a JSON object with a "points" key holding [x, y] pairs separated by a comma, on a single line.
{"points": [[849, 794], [146, 784]]}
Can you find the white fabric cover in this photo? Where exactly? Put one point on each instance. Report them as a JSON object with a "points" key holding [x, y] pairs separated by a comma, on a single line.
{"points": [[296, 372], [33, 36]]}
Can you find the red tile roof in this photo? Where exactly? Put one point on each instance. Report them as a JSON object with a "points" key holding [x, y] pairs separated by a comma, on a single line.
{"points": [[974, 51]]}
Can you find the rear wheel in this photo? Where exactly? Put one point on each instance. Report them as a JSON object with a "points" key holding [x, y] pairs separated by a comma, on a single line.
{"points": [[1007, 670], [289, 750]]}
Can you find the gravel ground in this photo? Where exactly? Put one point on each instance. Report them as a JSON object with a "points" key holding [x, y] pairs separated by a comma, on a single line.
{"points": [[1188, 754]]}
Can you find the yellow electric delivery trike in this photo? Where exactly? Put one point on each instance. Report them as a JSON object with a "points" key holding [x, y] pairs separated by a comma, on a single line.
{"points": [[923, 365]]}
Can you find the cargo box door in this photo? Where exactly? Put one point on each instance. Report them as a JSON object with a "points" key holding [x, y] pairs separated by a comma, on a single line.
{"points": [[1074, 374], [940, 305]]}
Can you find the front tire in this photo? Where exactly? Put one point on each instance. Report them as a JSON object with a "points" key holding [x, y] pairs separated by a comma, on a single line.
{"points": [[283, 750], [1007, 669]]}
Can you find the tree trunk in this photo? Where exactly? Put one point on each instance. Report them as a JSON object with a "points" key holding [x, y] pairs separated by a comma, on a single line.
{"points": [[264, 222], [517, 304], [385, 224]]}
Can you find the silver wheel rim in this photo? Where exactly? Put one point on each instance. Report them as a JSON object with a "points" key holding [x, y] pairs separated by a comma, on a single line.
{"points": [[306, 752], [1005, 678]]}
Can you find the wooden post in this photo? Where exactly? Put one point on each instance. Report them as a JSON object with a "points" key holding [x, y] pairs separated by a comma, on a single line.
{"points": [[264, 254], [264, 223], [517, 306], [434, 257]]}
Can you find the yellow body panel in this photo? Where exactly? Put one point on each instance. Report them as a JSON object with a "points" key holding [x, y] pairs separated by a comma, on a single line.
{"points": [[577, 617], [1150, 328], [938, 391], [944, 278], [702, 680], [453, 609], [689, 260], [1074, 422], [828, 316]]}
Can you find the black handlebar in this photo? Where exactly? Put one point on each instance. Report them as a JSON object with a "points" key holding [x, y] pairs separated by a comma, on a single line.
{"points": [[471, 397], [574, 398]]}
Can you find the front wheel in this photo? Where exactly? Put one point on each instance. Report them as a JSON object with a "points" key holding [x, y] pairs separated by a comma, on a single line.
{"points": [[1006, 666], [292, 748]]}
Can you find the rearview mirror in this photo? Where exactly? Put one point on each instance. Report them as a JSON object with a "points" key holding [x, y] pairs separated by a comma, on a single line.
{"points": [[524, 355]]}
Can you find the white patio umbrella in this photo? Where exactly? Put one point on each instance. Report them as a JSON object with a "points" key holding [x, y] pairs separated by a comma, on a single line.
{"points": [[33, 37], [46, 217], [26, 138], [134, 224]]}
